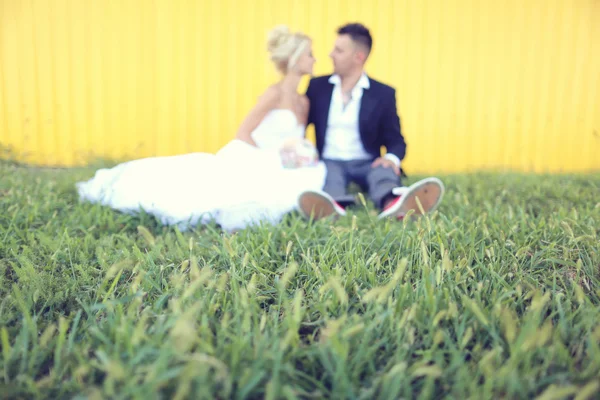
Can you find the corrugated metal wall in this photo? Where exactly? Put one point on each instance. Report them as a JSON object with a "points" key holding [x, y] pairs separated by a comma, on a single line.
{"points": [[481, 83]]}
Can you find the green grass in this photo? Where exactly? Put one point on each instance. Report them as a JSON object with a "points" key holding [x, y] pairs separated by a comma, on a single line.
{"points": [[494, 296]]}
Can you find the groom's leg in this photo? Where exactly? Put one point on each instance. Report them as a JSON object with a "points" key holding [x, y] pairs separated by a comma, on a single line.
{"points": [[336, 182], [332, 199], [380, 182]]}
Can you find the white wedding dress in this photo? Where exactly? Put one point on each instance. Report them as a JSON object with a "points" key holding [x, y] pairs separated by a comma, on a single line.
{"points": [[239, 186]]}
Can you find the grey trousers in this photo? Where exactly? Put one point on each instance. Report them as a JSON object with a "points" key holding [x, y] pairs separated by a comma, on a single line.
{"points": [[377, 182]]}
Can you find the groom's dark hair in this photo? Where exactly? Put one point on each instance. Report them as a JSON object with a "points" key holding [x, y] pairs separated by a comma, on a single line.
{"points": [[359, 34]]}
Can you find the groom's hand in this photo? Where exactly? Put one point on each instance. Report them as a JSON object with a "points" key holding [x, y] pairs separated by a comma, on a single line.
{"points": [[386, 163]]}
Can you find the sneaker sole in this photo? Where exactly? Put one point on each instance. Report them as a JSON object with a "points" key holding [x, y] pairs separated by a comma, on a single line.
{"points": [[315, 205], [429, 192]]}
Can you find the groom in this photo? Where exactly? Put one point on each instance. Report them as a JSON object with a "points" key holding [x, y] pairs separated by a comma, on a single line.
{"points": [[354, 116]]}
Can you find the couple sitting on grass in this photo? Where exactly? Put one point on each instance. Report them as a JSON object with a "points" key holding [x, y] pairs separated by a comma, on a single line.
{"points": [[270, 169]]}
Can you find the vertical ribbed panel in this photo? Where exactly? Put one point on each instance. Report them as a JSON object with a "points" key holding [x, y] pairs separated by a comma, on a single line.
{"points": [[480, 84]]}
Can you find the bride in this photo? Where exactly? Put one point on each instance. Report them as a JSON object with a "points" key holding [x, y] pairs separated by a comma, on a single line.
{"points": [[257, 177]]}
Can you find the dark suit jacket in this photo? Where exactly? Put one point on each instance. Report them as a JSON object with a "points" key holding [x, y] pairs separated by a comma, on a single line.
{"points": [[379, 124]]}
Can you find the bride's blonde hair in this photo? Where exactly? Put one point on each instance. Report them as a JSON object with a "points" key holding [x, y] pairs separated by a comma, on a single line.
{"points": [[286, 47]]}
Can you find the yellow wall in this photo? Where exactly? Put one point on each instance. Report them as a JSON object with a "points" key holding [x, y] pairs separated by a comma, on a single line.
{"points": [[481, 83]]}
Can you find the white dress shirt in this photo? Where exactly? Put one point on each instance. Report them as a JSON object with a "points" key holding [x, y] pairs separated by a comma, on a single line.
{"points": [[342, 138]]}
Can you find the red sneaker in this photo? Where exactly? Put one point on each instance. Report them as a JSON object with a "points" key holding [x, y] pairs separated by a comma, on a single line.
{"points": [[429, 191], [392, 209], [318, 204]]}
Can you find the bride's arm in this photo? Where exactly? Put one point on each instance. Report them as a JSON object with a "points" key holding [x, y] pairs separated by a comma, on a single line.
{"points": [[305, 110], [266, 102]]}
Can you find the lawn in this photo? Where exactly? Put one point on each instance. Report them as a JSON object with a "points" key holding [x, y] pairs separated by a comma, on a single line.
{"points": [[496, 295]]}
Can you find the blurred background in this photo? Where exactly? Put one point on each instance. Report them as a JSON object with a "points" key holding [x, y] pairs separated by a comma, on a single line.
{"points": [[481, 84]]}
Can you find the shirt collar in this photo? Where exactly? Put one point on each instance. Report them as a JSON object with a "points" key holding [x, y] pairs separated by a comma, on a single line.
{"points": [[362, 83]]}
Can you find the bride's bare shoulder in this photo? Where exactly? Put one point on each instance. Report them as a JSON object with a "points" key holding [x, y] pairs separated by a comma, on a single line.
{"points": [[271, 95], [267, 101]]}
